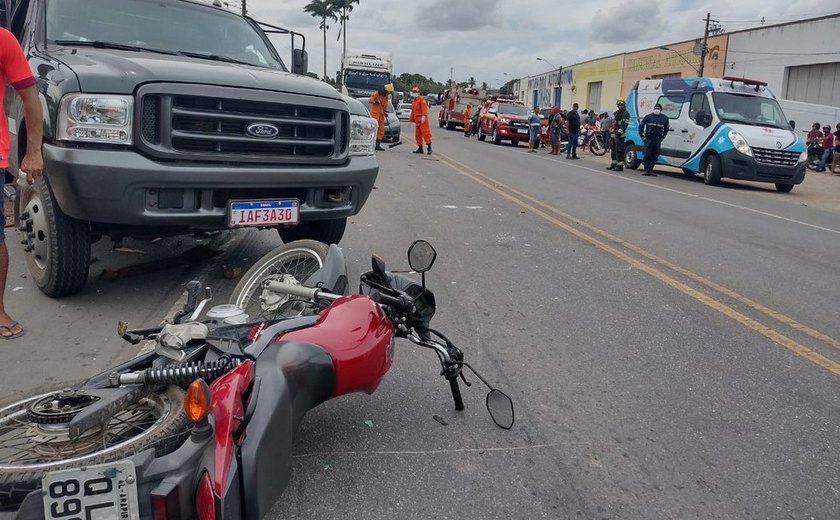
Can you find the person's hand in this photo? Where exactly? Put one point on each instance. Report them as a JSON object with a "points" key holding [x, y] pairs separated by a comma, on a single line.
{"points": [[33, 165]]}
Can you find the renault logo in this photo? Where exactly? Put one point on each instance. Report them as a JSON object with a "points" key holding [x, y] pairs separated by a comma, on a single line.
{"points": [[779, 145], [262, 130]]}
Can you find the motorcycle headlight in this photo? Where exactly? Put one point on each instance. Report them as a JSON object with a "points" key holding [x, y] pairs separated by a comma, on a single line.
{"points": [[803, 156], [96, 118], [362, 135], [740, 143]]}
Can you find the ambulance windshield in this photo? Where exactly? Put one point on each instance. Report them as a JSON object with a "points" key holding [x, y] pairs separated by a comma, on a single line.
{"points": [[749, 110]]}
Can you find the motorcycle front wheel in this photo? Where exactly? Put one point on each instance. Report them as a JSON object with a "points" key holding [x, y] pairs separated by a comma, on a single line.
{"points": [[34, 436], [597, 145], [290, 263]]}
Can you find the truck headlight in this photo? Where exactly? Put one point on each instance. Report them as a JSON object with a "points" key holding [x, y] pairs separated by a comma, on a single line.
{"points": [[362, 135], [504, 120], [95, 118], [740, 143]]}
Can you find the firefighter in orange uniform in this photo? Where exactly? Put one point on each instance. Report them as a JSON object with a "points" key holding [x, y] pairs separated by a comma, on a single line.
{"points": [[467, 120], [420, 116], [378, 107]]}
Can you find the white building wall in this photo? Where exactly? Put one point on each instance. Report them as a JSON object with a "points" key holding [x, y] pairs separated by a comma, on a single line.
{"points": [[766, 53]]}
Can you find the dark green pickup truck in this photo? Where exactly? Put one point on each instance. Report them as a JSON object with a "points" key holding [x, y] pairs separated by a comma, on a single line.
{"points": [[166, 117]]}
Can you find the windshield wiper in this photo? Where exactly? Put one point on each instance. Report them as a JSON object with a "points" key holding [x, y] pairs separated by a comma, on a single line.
{"points": [[214, 57], [99, 44]]}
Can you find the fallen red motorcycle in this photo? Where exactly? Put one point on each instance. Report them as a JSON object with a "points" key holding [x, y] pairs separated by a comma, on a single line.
{"points": [[202, 427]]}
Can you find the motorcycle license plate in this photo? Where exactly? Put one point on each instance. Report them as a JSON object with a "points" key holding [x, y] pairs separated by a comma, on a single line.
{"points": [[263, 212], [100, 492]]}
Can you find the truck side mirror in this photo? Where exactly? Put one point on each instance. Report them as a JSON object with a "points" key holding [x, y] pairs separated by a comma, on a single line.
{"points": [[300, 62]]}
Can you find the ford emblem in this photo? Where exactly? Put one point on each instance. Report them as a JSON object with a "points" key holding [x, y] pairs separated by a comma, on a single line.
{"points": [[262, 130], [779, 145]]}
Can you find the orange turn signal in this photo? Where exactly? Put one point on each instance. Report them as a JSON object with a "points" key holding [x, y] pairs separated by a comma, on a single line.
{"points": [[197, 401]]}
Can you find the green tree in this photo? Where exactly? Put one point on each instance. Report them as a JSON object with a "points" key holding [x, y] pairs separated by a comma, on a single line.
{"points": [[507, 88], [405, 81], [485, 86], [324, 10], [343, 8]]}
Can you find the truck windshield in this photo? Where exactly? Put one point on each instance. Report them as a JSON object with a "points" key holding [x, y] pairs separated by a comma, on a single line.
{"points": [[749, 110], [516, 110], [160, 25], [366, 79]]}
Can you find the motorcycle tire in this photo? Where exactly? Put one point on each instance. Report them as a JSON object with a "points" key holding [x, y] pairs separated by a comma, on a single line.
{"points": [[813, 163], [292, 263], [165, 434], [597, 146]]}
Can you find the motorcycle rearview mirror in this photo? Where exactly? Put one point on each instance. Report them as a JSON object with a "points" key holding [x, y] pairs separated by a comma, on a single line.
{"points": [[421, 256], [500, 407], [378, 266]]}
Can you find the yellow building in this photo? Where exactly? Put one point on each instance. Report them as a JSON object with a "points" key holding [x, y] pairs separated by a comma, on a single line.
{"points": [[597, 83]]}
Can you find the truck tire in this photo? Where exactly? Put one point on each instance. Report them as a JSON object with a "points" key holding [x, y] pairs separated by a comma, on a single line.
{"points": [[441, 123], [631, 160], [449, 124], [60, 244], [481, 135], [495, 136], [711, 170], [784, 188], [326, 231]]}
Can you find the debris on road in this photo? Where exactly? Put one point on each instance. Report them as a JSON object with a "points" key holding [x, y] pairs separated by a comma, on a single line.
{"points": [[440, 419], [369, 423], [231, 271], [188, 257]]}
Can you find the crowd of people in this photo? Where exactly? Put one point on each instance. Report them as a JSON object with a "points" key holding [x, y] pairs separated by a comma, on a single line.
{"points": [[829, 142]]}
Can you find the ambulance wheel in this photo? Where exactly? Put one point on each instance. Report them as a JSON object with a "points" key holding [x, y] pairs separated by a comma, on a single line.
{"points": [[784, 188], [688, 172], [631, 160], [711, 170]]}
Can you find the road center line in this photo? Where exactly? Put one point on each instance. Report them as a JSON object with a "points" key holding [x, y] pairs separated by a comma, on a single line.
{"points": [[790, 344]]}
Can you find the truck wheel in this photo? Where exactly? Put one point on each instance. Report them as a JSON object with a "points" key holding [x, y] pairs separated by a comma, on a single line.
{"points": [[495, 137], [449, 124], [631, 160], [784, 188], [711, 170], [60, 245], [326, 231], [481, 135], [441, 123]]}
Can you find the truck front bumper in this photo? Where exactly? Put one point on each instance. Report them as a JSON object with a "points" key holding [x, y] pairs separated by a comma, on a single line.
{"points": [[736, 165], [124, 187]]}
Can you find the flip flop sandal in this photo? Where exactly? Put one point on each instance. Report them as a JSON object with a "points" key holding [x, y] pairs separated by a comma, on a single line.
{"points": [[9, 327]]}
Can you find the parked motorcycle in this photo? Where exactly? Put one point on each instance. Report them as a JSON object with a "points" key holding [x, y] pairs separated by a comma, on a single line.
{"points": [[815, 152], [202, 427]]}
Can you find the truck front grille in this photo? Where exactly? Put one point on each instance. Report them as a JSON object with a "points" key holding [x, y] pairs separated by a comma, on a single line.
{"points": [[207, 123], [775, 157]]}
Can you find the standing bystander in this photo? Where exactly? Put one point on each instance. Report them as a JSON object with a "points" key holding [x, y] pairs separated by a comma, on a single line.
{"points": [[828, 148], [15, 70], [534, 129], [573, 126], [836, 160]]}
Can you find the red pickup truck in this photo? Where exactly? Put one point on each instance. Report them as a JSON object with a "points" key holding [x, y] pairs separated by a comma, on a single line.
{"points": [[503, 120]]}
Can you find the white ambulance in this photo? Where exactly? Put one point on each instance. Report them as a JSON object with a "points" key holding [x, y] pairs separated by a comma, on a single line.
{"points": [[720, 127]]}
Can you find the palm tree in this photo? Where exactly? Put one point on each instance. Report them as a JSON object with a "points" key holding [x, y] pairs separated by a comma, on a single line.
{"points": [[324, 10], [343, 8]]}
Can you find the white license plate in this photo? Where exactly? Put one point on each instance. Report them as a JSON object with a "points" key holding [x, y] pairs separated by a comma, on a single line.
{"points": [[521, 131], [263, 212], [100, 492]]}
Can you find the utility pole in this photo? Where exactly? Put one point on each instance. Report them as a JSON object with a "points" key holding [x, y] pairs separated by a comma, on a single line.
{"points": [[451, 70], [705, 44]]}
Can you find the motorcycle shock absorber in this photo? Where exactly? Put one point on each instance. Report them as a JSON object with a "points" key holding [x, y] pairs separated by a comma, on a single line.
{"points": [[180, 373]]}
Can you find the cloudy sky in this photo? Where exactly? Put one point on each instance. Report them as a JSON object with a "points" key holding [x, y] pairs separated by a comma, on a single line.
{"points": [[487, 38]]}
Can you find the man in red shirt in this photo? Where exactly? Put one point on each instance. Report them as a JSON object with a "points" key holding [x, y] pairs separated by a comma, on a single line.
{"points": [[14, 69], [814, 136], [828, 148]]}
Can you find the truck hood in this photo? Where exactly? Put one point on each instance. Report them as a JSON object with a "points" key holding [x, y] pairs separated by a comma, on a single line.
{"points": [[121, 72], [766, 137]]}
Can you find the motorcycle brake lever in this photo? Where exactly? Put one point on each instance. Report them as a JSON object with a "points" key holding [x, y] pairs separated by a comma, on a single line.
{"points": [[464, 379]]}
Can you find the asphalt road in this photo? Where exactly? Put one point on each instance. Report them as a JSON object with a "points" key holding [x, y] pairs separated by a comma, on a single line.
{"points": [[671, 348]]}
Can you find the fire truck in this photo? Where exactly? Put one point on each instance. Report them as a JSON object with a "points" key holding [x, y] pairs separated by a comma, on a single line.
{"points": [[455, 100]]}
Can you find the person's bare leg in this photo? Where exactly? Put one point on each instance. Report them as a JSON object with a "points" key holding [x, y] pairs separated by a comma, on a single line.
{"points": [[5, 319]]}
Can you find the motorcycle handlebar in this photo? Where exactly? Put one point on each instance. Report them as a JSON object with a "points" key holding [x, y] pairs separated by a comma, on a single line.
{"points": [[399, 304]]}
